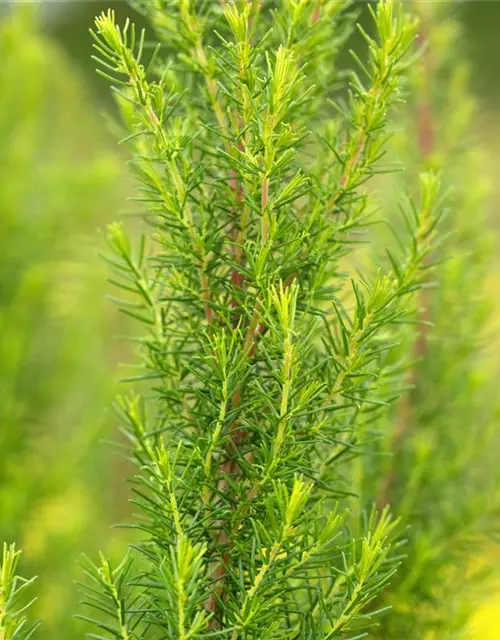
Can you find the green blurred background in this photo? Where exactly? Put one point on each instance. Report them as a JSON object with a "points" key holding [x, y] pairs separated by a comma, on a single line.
{"points": [[62, 177]]}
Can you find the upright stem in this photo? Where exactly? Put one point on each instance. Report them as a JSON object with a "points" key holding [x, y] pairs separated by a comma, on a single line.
{"points": [[426, 145], [236, 435]]}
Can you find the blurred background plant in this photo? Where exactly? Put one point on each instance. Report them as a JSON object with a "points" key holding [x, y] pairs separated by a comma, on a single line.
{"points": [[61, 178], [58, 181], [443, 478]]}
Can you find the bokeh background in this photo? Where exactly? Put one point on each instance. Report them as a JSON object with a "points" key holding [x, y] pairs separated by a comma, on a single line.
{"points": [[62, 178]]}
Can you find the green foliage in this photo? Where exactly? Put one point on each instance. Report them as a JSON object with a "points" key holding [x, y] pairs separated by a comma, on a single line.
{"points": [[313, 423], [13, 620], [261, 370]]}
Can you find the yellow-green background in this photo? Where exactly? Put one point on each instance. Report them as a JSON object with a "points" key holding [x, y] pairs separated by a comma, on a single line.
{"points": [[62, 178]]}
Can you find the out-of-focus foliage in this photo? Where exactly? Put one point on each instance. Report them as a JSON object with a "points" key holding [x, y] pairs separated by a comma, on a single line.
{"points": [[58, 182], [443, 478], [485, 624]]}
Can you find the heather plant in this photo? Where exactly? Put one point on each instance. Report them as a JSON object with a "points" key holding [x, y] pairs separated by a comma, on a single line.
{"points": [[291, 393], [262, 368]]}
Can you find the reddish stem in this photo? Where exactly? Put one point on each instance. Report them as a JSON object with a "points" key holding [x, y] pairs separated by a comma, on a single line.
{"points": [[426, 143], [316, 14], [424, 112]]}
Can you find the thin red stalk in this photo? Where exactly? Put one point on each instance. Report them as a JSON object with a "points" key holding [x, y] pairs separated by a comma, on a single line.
{"points": [[426, 144], [425, 113], [228, 469], [236, 435], [316, 14], [237, 277]]}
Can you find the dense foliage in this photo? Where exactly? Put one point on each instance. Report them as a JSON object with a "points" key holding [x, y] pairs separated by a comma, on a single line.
{"points": [[263, 372], [313, 421]]}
